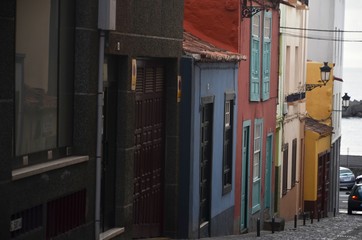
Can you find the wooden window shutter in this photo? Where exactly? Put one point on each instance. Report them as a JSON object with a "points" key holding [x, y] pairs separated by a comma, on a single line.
{"points": [[266, 55], [255, 59]]}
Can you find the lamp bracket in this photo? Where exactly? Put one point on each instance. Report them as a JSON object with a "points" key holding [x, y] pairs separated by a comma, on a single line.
{"points": [[249, 11], [310, 87]]}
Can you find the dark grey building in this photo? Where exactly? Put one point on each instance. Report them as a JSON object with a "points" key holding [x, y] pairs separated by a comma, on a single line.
{"points": [[62, 176]]}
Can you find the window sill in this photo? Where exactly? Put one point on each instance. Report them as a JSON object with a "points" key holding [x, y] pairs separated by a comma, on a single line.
{"points": [[111, 233], [48, 166]]}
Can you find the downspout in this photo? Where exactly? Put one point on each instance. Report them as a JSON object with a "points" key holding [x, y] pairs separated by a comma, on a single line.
{"points": [[97, 219]]}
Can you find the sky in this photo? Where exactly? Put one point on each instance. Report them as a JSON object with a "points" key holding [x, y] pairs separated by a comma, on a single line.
{"points": [[353, 51]]}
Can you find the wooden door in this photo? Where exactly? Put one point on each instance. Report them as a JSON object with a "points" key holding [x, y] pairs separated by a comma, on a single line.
{"points": [[205, 167], [323, 185], [245, 177], [149, 150]]}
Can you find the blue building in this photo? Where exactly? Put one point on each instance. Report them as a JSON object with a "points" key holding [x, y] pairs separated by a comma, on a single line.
{"points": [[208, 135]]}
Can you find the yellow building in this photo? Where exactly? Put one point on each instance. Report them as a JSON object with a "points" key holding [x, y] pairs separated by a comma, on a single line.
{"points": [[318, 133]]}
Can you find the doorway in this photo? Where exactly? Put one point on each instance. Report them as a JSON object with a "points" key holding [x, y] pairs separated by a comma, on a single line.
{"points": [[207, 115], [245, 176], [149, 154]]}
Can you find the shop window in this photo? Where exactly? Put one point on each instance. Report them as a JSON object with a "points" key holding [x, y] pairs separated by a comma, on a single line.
{"points": [[44, 77]]}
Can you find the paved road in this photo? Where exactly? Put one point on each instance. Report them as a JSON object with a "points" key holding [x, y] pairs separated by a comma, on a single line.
{"points": [[341, 227]]}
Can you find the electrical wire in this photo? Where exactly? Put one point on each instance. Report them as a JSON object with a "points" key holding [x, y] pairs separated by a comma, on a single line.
{"points": [[320, 30], [322, 38]]}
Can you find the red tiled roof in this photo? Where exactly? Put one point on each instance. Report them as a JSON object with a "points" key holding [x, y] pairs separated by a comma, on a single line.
{"points": [[315, 126], [206, 52]]}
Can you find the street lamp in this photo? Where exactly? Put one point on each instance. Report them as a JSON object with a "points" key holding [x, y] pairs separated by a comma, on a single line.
{"points": [[325, 76], [345, 101], [248, 10]]}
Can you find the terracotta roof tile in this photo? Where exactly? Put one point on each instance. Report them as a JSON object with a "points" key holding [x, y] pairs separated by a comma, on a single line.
{"points": [[206, 52], [315, 126]]}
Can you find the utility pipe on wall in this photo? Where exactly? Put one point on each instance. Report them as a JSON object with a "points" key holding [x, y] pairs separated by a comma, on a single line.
{"points": [[99, 137]]}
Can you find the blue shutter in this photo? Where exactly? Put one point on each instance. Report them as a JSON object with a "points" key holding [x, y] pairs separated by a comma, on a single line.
{"points": [[255, 59], [266, 55]]}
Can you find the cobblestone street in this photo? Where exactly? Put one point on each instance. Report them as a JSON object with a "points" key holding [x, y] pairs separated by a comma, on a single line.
{"points": [[342, 226]]}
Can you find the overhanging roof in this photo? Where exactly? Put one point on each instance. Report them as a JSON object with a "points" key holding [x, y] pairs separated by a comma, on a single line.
{"points": [[206, 52], [315, 126]]}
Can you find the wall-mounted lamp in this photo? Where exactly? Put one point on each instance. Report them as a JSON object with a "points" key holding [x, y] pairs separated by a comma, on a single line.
{"points": [[345, 101], [249, 11], [325, 76]]}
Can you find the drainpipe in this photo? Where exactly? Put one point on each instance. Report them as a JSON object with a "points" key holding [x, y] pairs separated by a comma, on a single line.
{"points": [[99, 137]]}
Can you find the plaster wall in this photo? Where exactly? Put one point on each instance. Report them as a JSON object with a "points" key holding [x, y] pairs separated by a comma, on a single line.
{"points": [[321, 16], [292, 79], [249, 111], [210, 79], [319, 100], [314, 146], [330, 18], [214, 21]]}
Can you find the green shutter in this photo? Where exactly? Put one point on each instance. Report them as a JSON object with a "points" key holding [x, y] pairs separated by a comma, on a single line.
{"points": [[266, 55], [255, 59]]}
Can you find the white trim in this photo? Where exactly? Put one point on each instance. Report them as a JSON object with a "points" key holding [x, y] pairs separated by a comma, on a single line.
{"points": [[48, 166]]}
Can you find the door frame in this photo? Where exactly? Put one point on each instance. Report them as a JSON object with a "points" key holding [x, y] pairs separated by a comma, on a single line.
{"points": [[268, 172], [205, 227], [245, 176]]}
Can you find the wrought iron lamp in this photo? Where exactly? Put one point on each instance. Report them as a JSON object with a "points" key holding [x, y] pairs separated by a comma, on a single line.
{"points": [[345, 101], [249, 11], [325, 76]]}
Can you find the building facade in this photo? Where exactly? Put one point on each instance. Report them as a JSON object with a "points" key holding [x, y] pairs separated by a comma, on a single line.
{"points": [[330, 49], [208, 127], [142, 56], [49, 98], [291, 110], [258, 94], [90, 124], [318, 132]]}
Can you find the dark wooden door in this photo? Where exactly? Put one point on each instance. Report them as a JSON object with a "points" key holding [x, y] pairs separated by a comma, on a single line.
{"points": [[205, 168], [323, 185], [149, 150]]}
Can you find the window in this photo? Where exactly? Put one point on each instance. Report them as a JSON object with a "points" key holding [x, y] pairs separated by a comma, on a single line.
{"points": [[257, 157], [257, 152], [44, 77], [294, 162], [228, 142], [285, 169], [260, 67]]}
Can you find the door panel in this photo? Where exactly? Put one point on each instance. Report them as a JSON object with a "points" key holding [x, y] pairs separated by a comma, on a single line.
{"points": [[205, 168], [323, 184], [269, 158], [245, 178], [149, 150]]}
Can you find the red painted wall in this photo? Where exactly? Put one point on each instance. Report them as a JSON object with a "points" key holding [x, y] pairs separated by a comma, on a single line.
{"points": [[214, 21], [219, 22], [252, 110]]}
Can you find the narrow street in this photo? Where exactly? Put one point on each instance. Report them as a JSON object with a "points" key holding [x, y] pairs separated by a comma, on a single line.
{"points": [[342, 226]]}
